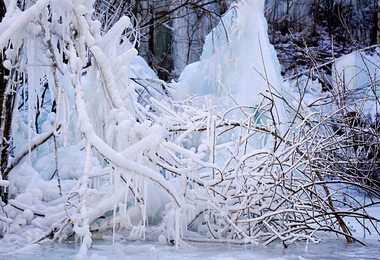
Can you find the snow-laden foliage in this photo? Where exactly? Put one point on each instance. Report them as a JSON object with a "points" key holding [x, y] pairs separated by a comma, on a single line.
{"points": [[57, 41], [106, 158]]}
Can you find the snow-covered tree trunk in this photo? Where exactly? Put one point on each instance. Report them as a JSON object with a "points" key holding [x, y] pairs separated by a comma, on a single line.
{"points": [[7, 98]]}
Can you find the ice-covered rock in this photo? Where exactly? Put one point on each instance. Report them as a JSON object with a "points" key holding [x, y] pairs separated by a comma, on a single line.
{"points": [[356, 74], [355, 70]]}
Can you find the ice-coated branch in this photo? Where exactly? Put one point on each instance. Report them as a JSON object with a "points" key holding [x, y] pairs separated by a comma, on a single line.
{"points": [[127, 164], [33, 144], [87, 128], [22, 207], [16, 22]]}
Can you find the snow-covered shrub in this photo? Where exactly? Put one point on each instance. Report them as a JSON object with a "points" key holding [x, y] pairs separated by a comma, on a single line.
{"points": [[96, 116], [104, 162]]}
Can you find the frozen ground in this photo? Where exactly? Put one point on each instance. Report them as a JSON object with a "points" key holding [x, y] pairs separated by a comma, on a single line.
{"points": [[330, 248]]}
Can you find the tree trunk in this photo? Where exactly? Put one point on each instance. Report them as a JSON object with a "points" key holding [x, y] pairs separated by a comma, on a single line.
{"points": [[7, 98], [6, 108], [378, 23]]}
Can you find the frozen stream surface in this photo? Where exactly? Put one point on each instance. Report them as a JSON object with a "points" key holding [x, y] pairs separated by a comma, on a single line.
{"points": [[328, 249]]}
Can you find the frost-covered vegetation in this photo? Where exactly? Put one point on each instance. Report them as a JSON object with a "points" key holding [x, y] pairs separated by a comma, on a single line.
{"points": [[95, 143]]}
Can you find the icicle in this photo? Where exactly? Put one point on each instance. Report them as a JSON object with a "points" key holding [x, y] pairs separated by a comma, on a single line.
{"points": [[123, 221], [177, 226], [114, 223], [116, 190], [84, 230], [136, 178], [66, 123], [182, 224], [145, 204], [31, 92]]}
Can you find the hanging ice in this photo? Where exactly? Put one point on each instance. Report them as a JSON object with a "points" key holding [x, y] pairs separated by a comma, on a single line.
{"points": [[237, 55]]}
